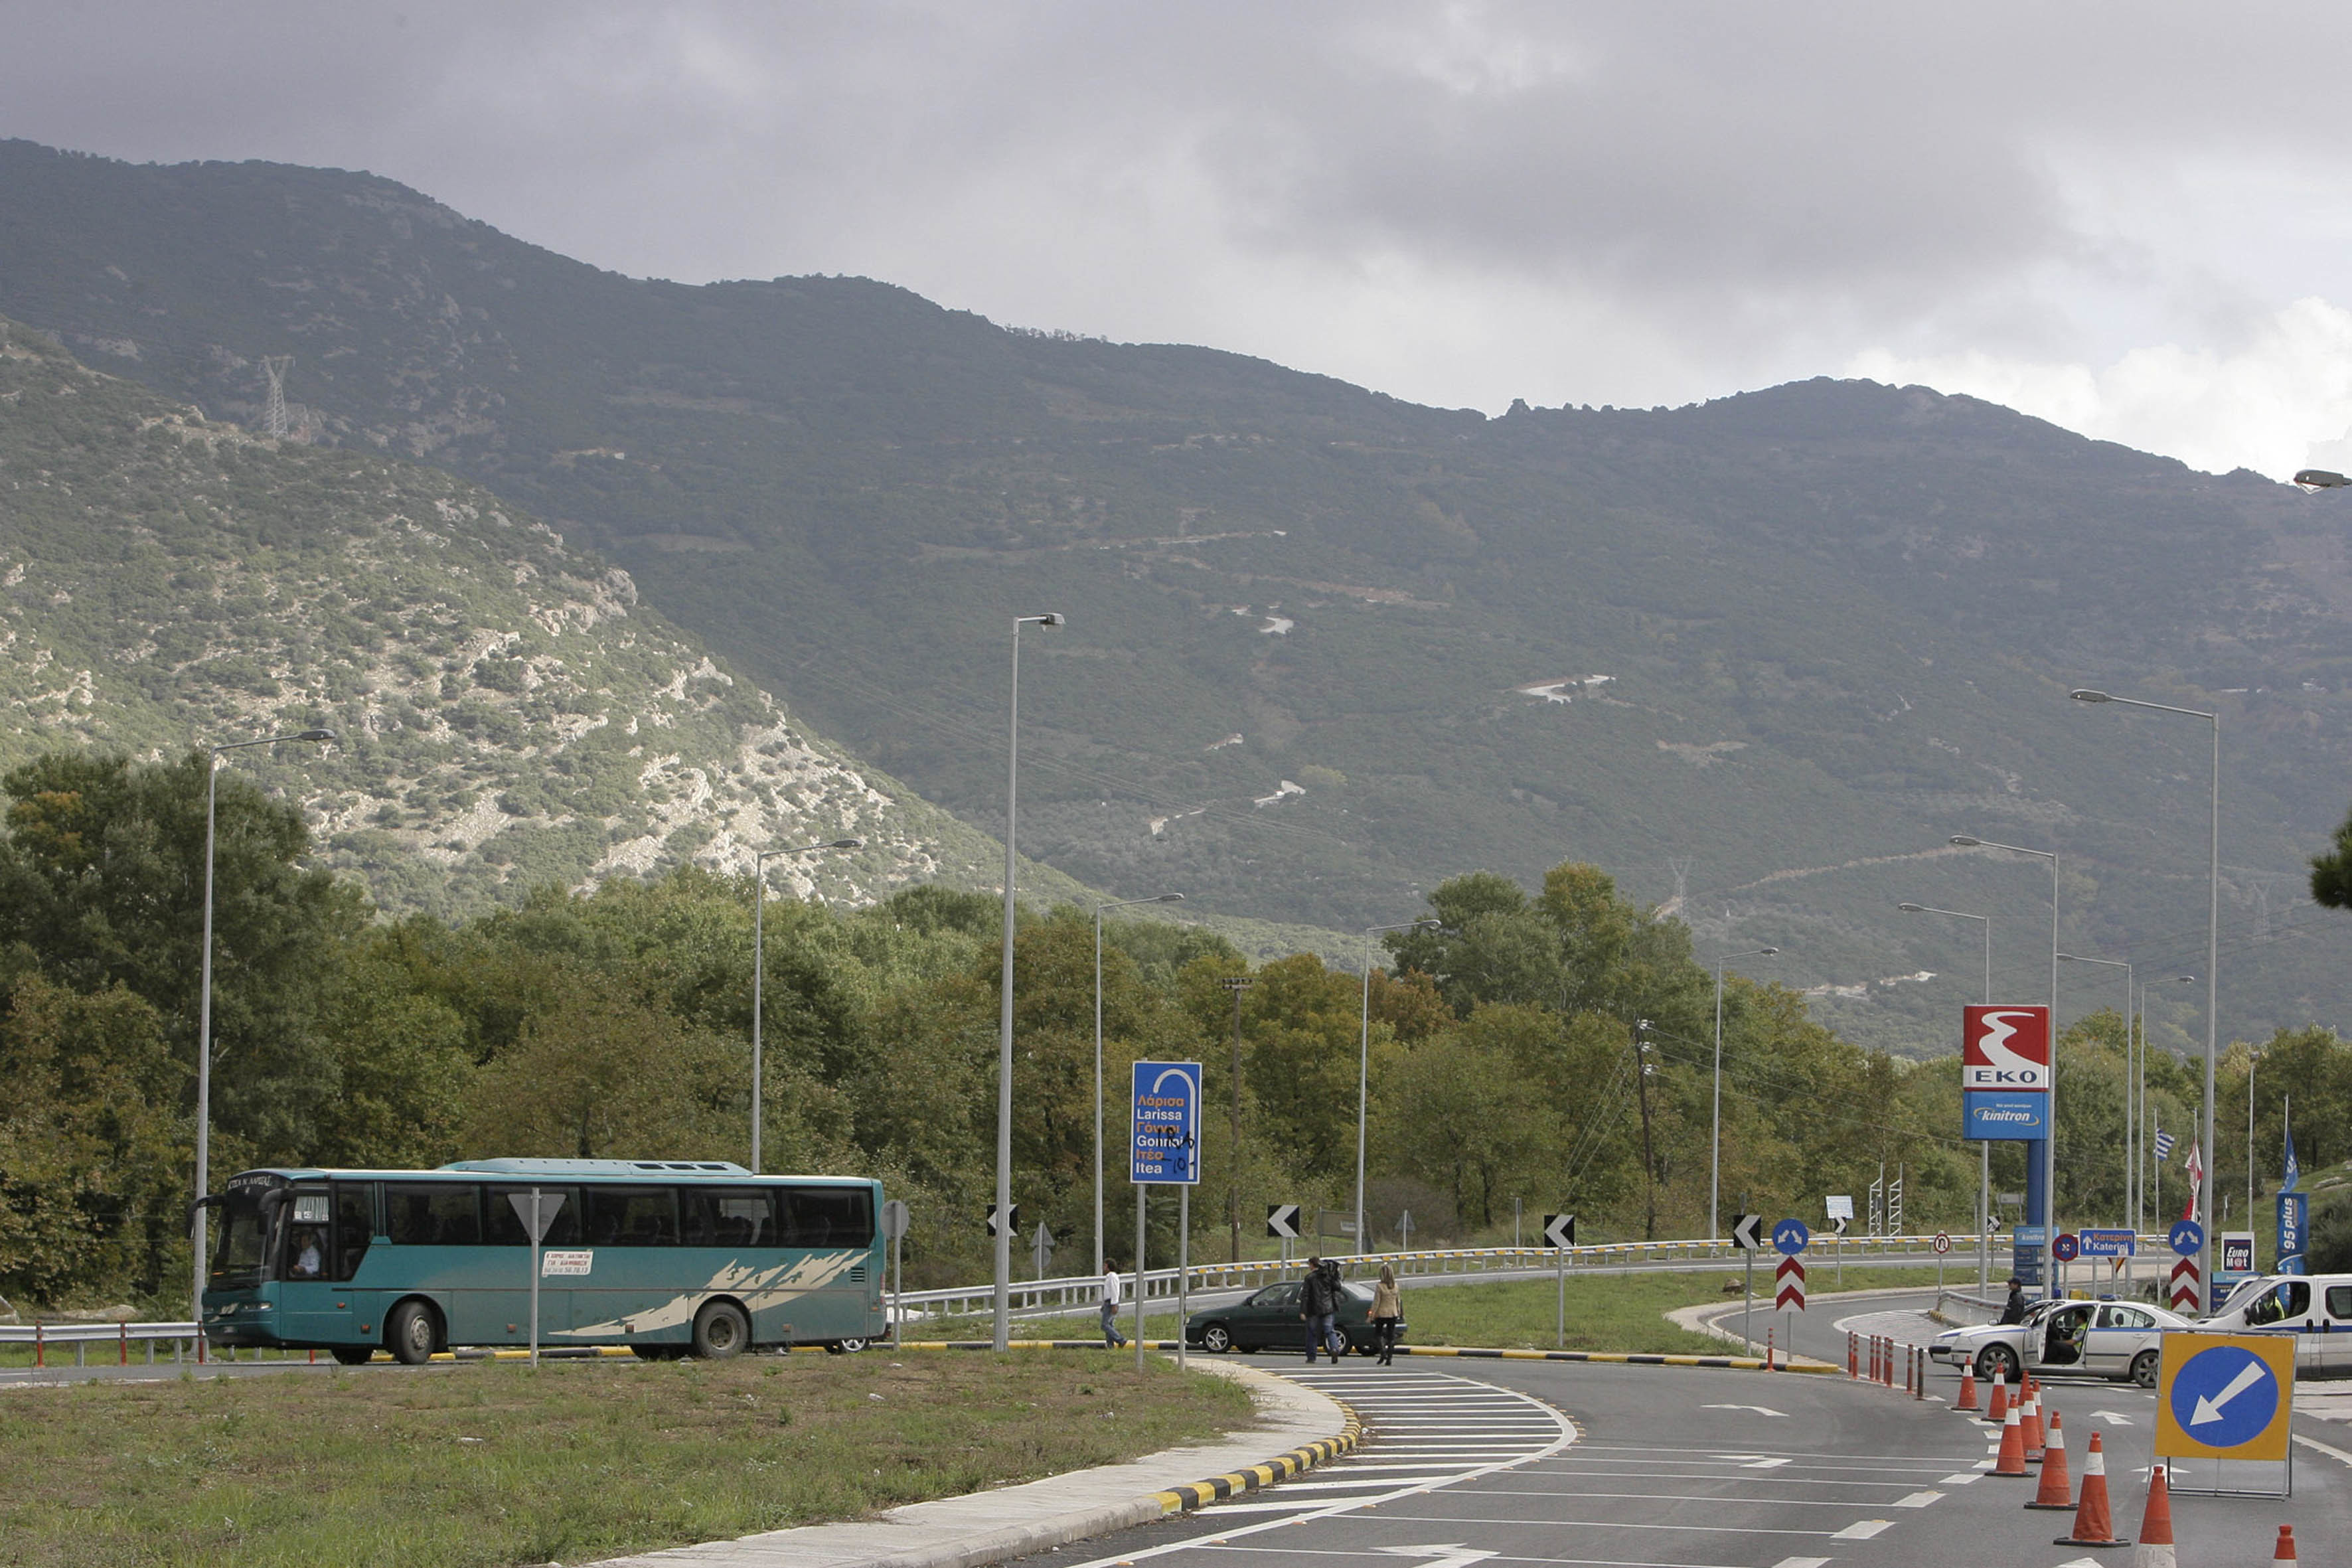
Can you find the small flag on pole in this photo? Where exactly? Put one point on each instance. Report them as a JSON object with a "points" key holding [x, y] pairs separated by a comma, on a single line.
{"points": [[2163, 1144], [2293, 1168]]}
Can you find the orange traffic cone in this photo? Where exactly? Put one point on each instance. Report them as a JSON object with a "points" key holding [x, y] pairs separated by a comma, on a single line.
{"points": [[1994, 1416], [2156, 1524], [1968, 1400], [2095, 1525], [2056, 1488], [2035, 1438], [2285, 1553], [2012, 1460]]}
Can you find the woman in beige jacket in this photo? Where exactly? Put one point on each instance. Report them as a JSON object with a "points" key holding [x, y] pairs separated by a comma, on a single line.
{"points": [[1386, 1310]]}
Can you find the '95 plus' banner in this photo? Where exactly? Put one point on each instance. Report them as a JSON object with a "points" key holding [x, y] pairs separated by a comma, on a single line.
{"points": [[2005, 1072]]}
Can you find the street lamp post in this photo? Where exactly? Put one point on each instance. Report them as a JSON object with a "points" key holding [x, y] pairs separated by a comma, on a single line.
{"points": [[1364, 1064], [759, 968], [205, 998], [2049, 1217], [1004, 1314], [2212, 965], [2129, 1144], [1114, 904], [1984, 1145], [1715, 1161]]}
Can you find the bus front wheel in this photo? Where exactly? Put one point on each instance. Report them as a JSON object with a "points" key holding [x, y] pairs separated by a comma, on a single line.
{"points": [[410, 1332], [721, 1330]]}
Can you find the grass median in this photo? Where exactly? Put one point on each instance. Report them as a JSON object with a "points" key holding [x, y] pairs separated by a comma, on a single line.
{"points": [[471, 1466]]}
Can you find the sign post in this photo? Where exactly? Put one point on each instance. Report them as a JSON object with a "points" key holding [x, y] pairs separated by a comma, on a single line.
{"points": [[1943, 1250], [894, 1226], [1164, 1147], [1282, 1221], [1559, 1234], [537, 1210], [1841, 1213], [2187, 1238], [1789, 1239], [1748, 1234]]}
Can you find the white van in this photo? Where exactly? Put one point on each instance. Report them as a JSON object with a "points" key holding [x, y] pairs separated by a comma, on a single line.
{"points": [[2316, 1309]]}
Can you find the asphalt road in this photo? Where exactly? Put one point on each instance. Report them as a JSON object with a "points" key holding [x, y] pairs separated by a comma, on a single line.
{"points": [[1683, 1467]]}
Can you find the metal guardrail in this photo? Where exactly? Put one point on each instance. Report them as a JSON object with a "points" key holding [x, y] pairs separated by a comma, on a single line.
{"points": [[48, 1340]]}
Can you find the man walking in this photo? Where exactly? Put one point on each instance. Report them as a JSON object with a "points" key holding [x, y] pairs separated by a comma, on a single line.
{"points": [[1112, 1339], [2013, 1310], [1319, 1299]]}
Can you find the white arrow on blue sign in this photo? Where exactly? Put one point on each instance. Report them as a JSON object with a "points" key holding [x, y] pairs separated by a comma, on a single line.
{"points": [[2188, 1237], [1789, 1237], [2225, 1396]]}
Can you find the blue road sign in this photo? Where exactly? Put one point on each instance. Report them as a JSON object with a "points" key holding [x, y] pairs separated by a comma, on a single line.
{"points": [[2187, 1236], [1167, 1141], [2108, 1243], [1789, 1237], [2068, 1248], [2224, 1397], [2030, 1235]]}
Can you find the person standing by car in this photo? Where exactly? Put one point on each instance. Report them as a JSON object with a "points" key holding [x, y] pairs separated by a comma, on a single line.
{"points": [[1319, 1301], [2013, 1310], [1112, 1339], [1386, 1310]]}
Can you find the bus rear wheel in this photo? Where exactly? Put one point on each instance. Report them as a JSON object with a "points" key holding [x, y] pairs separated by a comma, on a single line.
{"points": [[721, 1330], [410, 1333]]}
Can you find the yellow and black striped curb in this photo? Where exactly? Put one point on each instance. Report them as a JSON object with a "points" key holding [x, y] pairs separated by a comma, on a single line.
{"points": [[1232, 1483]]}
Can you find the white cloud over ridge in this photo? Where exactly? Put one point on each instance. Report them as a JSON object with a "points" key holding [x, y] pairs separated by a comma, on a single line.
{"points": [[2127, 224]]}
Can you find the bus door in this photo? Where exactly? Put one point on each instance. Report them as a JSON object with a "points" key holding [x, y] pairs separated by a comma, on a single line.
{"points": [[313, 1307], [506, 1263]]}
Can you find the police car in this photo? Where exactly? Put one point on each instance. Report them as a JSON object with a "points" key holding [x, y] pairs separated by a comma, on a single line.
{"points": [[2120, 1340]]}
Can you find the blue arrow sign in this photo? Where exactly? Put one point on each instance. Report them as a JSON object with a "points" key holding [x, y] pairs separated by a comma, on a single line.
{"points": [[2225, 1397], [1789, 1237], [2109, 1244], [1167, 1145], [2188, 1237]]}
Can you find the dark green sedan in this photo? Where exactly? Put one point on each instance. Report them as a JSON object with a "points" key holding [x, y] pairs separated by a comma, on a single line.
{"points": [[1269, 1320]]}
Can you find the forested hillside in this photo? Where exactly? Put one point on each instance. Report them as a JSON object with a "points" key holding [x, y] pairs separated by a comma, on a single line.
{"points": [[1327, 648]]}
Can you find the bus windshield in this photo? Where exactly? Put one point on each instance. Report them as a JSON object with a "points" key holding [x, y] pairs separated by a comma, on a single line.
{"points": [[242, 1256]]}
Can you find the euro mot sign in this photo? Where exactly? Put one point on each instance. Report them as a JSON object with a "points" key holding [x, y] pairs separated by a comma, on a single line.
{"points": [[2005, 1073], [1167, 1141], [2225, 1397]]}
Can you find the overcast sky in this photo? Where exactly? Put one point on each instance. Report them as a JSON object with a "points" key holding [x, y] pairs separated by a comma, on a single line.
{"points": [[2128, 219]]}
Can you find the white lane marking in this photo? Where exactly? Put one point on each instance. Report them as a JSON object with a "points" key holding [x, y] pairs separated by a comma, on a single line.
{"points": [[1802, 1563], [1704, 1497], [1966, 1479], [1863, 1529], [2117, 1417], [1358, 1486], [1918, 1500], [1759, 1409], [2333, 1453], [1763, 1464], [1779, 1481], [1615, 1524], [1450, 1555]]}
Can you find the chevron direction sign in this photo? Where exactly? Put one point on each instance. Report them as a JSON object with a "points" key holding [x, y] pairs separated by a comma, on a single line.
{"points": [[1791, 1273], [1282, 1220], [1747, 1233], [1560, 1230]]}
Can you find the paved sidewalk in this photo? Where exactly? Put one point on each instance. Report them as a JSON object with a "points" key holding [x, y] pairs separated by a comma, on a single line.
{"points": [[1013, 1521]]}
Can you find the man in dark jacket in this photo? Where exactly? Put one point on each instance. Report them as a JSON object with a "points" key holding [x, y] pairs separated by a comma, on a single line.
{"points": [[2013, 1310], [1318, 1300]]}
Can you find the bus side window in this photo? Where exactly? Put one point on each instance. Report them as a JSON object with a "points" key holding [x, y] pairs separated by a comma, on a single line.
{"points": [[505, 1225], [436, 1214], [725, 1216], [633, 1217], [355, 1227], [828, 1217]]}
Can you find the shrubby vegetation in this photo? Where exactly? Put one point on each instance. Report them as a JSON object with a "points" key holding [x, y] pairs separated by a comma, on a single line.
{"points": [[1551, 1047]]}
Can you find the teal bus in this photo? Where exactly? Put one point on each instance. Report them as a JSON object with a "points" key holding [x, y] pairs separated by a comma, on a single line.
{"points": [[669, 1258]]}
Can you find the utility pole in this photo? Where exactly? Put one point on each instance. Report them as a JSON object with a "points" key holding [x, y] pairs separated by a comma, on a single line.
{"points": [[1236, 983], [1649, 1166]]}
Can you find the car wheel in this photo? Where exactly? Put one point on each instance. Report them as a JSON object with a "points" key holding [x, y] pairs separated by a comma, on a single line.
{"points": [[1996, 1363], [410, 1333], [846, 1347], [720, 1331], [1216, 1338], [2143, 1367]]}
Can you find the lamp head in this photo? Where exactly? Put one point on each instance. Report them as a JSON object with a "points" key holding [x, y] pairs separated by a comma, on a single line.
{"points": [[1963, 841], [1766, 952], [1048, 619], [2087, 695], [2320, 479], [316, 735], [1168, 899], [1913, 908], [847, 844]]}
